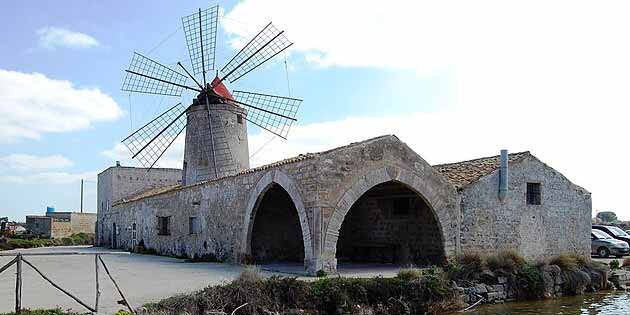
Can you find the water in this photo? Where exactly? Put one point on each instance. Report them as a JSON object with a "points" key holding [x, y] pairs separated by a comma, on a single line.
{"points": [[603, 303]]}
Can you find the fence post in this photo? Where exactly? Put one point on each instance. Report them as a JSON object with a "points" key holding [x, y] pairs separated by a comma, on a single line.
{"points": [[18, 286], [98, 290]]}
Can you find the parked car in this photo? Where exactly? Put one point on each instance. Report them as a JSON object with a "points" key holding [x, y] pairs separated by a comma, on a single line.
{"points": [[614, 232], [604, 245]]}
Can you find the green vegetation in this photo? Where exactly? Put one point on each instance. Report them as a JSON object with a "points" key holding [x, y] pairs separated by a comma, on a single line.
{"points": [[614, 264], [427, 291], [74, 239]]}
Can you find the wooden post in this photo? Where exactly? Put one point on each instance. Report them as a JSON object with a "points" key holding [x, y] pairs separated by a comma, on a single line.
{"points": [[98, 290], [18, 285], [117, 287]]}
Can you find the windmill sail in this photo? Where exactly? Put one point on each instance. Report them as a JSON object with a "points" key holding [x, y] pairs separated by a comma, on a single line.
{"points": [[200, 29], [147, 76], [273, 113], [149, 143], [264, 46]]}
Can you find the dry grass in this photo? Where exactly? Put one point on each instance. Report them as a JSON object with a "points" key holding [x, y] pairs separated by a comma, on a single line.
{"points": [[570, 261], [250, 274], [506, 260], [408, 274]]}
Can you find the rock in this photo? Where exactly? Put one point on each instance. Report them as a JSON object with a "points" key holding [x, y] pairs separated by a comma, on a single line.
{"points": [[620, 279], [502, 280], [496, 296], [498, 288], [481, 288], [487, 276]]}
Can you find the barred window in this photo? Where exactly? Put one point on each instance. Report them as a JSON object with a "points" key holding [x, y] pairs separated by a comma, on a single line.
{"points": [[533, 193], [164, 225]]}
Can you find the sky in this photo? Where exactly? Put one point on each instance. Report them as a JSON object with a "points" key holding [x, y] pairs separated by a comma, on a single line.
{"points": [[455, 80]]}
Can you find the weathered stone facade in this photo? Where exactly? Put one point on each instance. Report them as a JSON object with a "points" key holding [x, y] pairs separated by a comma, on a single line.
{"points": [[258, 214], [119, 182], [61, 224], [560, 223]]}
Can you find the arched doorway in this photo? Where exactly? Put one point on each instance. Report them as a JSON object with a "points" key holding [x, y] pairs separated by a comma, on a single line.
{"points": [[390, 223], [276, 234]]}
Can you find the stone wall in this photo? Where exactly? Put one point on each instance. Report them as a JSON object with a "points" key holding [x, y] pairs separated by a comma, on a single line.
{"points": [[39, 225], [322, 187], [561, 223], [61, 228], [83, 223], [118, 182]]}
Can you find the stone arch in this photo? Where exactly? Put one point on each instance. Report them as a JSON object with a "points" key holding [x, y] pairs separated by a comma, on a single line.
{"points": [[439, 200], [256, 196]]}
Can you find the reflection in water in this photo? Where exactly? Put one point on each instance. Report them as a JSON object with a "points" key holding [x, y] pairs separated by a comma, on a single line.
{"points": [[609, 303]]}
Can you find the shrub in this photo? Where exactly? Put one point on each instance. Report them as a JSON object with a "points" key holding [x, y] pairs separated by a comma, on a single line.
{"points": [[614, 264], [250, 274], [532, 278], [506, 260], [569, 261], [321, 273], [408, 274]]}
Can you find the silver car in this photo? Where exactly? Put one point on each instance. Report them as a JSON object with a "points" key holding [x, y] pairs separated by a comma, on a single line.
{"points": [[604, 245]]}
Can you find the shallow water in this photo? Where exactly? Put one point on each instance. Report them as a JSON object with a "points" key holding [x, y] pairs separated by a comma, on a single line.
{"points": [[606, 303]]}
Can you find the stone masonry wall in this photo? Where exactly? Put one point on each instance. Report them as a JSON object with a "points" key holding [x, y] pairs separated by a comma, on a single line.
{"points": [[83, 223], [118, 182], [322, 186], [561, 223]]}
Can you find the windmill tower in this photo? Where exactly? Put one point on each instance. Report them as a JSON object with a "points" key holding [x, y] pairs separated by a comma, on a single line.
{"points": [[216, 130]]}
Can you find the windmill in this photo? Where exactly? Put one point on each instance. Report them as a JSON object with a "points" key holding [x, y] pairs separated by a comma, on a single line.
{"points": [[216, 135]]}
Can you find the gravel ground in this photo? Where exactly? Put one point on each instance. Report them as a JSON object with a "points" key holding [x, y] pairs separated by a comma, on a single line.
{"points": [[142, 278]]}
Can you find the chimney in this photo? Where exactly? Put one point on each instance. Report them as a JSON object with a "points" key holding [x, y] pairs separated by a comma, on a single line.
{"points": [[117, 163], [503, 175]]}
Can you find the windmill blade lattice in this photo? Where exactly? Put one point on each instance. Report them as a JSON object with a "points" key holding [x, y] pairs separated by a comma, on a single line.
{"points": [[149, 143], [273, 113], [264, 46], [201, 37], [147, 76]]}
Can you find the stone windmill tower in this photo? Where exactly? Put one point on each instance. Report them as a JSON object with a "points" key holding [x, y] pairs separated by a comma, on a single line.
{"points": [[216, 130]]}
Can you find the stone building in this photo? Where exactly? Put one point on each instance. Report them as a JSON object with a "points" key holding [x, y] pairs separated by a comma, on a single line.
{"points": [[119, 182], [61, 224], [371, 201]]}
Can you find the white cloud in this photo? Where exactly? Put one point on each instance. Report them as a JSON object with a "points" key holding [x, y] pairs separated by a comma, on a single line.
{"points": [[550, 77], [54, 37], [26, 162], [172, 158], [32, 104], [49, 178]]}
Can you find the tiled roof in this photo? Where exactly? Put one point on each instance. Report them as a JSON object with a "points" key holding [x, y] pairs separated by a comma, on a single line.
{"points": [[462, 174]]}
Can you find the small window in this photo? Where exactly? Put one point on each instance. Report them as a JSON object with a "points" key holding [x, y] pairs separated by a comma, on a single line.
{"points": [[533, 193], [239, 118], [164, 226], [193, 225], [401, 206]]}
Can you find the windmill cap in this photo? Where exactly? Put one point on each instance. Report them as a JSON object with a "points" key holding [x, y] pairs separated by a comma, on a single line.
{"points": [[219, 88]]}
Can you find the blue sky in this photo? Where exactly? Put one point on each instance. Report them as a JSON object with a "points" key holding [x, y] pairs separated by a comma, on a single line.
{"points": [[453, 80]]}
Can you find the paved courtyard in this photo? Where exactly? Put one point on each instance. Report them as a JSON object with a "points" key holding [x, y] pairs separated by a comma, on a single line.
{"points": [[142, 278]]}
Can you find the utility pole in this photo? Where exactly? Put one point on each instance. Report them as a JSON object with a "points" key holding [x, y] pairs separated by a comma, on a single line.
{"points": [[81, 195]]}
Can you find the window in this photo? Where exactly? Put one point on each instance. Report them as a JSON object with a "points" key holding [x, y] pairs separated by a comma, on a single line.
{"points": [[193, 225], [401, 206], [533, 193], [239, 118], [164, 226]]}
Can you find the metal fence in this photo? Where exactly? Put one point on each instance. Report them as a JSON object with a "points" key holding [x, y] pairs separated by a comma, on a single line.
{"points": [[19, 259]]}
